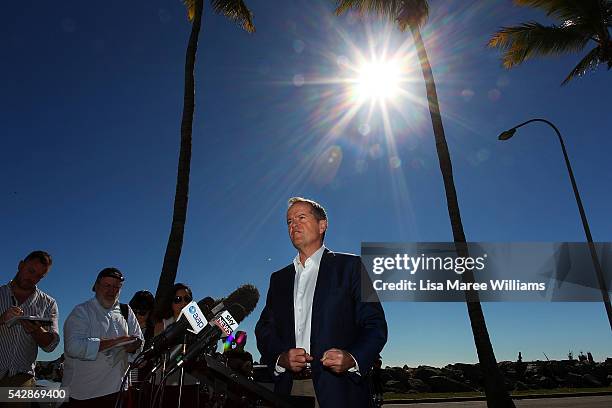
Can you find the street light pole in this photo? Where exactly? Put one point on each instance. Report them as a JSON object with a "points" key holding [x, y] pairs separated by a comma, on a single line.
{"points": [[585, 224]]}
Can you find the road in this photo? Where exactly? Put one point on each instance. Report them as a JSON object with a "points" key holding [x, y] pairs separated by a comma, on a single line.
{"points": [[568, 402]]}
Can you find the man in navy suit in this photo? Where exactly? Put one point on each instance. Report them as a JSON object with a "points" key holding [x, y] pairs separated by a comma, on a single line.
{"points": [[314, 332]]}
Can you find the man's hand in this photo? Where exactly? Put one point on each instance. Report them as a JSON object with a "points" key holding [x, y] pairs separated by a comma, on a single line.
{"points": [[108, 343], [30, 327], [295, 359], [41, 336], [132, 347], [338, 361], [10, 313]]}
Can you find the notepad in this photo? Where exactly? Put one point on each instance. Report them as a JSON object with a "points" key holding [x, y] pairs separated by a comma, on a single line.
{"points": [[43, 321], [123, 343]]}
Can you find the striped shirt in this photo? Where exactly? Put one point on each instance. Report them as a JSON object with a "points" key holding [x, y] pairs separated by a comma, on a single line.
{"points": [[18, 350]]}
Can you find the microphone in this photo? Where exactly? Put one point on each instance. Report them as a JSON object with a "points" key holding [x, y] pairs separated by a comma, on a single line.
{"points": [[223, 324], [243, 301], [192, 318]]}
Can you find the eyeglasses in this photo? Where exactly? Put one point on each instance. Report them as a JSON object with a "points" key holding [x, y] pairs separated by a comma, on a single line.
{"points": [[179, 299], [141, 312], [107, 286]]}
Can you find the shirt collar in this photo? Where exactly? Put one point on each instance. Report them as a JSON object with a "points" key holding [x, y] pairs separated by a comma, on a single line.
{"points": [[33, 295], [315, 258]]}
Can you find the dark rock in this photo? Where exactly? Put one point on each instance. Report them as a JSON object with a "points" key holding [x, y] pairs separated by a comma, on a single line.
{"points": [[573, 380], [444, 384], [425, 372], [418, 385], [395, 386], [520, 386], [590, 381], [546, 382]]}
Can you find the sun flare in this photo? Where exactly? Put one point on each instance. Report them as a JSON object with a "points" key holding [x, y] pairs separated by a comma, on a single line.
{"points": [[378, 80]]}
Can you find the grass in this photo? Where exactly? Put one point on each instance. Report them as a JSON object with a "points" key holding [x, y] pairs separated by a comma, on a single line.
{"points": [[395, 395]]}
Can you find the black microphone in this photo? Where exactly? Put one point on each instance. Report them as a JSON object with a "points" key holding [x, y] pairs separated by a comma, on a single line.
{"points": [[173, 332], [246, 295], [222, 325], [243, 301]]}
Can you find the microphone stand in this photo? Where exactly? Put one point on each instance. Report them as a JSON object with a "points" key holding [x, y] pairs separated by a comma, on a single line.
{"points": [[162, 381], [182, 373]]}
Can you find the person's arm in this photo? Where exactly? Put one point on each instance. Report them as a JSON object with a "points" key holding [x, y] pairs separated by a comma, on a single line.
{"points": [[370, 320], [268, 342], [44, 339], [77, 343], [48, 339]]}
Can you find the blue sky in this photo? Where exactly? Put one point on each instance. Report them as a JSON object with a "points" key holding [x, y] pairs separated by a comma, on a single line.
{"points": [[90, 112]]}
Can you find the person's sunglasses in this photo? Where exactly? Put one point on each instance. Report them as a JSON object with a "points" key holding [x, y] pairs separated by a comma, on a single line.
{"points": [[179, 299]]}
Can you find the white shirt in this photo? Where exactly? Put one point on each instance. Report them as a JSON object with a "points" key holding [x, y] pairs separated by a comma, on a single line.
{"points": [[88, 372], [303, 295]]}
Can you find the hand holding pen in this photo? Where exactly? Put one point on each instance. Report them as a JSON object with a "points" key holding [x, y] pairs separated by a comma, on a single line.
{"points": [[12, 311]]}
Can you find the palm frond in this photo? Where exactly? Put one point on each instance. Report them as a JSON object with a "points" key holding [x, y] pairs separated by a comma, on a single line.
{"points": [[568, 10], [588, 63], [414, 13], [405, 12], [236, 11], [385, 8], [532, 39], [190, 6]]}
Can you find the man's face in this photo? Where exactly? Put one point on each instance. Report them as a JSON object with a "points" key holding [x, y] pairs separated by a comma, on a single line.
{"points": [[107, 291], [29, 273], [305, 231]]}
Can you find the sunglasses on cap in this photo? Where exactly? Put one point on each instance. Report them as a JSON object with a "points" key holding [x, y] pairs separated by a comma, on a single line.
{"points": [[179, 299]]}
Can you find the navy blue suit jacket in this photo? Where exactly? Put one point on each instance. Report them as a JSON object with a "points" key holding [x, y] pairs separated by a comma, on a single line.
{"points": [[339, 320]]}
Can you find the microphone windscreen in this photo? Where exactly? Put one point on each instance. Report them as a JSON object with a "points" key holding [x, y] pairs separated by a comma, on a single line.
{"points": [[246, 295]]}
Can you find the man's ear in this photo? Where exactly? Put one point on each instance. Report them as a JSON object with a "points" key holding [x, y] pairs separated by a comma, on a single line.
{"points": [[322, 226]]}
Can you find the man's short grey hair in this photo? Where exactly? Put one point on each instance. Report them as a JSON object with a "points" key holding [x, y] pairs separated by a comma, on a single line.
{"points": [[317, 209]]}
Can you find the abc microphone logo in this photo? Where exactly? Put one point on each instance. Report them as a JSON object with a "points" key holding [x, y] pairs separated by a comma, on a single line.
{"points": [[196, 316]]}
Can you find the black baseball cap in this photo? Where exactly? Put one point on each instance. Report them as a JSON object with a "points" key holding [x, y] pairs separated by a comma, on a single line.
{"points": [[108, 273]]}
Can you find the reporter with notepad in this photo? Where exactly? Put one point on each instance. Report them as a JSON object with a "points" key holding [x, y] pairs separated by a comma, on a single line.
{"points": [[20, 338], [97, 339]]}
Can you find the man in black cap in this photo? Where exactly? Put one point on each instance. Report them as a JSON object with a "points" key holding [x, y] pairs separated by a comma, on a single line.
{"points": [[97, 339]]}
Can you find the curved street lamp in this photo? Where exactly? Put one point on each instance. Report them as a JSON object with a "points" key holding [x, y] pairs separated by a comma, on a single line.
{"points": [[600, 276]]}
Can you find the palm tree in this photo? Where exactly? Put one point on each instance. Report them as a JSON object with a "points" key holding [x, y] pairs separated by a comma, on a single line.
{"points": [[236, 11], [412, 14], [581, 22]]}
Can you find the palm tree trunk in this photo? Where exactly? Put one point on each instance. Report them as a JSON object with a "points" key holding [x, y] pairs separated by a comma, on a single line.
{"points": [[181, 195], [495, 389]]}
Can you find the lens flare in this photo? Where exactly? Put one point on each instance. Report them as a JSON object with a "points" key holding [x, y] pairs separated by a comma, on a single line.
{"points": [[378, 80]]}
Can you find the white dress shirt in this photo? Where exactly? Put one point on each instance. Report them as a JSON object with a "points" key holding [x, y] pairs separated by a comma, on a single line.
{"points": [[303, 295]]}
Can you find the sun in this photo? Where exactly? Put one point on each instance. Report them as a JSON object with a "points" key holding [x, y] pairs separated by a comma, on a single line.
{"points": [[378, 80]]}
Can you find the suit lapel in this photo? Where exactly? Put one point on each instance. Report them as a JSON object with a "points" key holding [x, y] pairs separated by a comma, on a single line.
{"points": [[290, 284]]}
